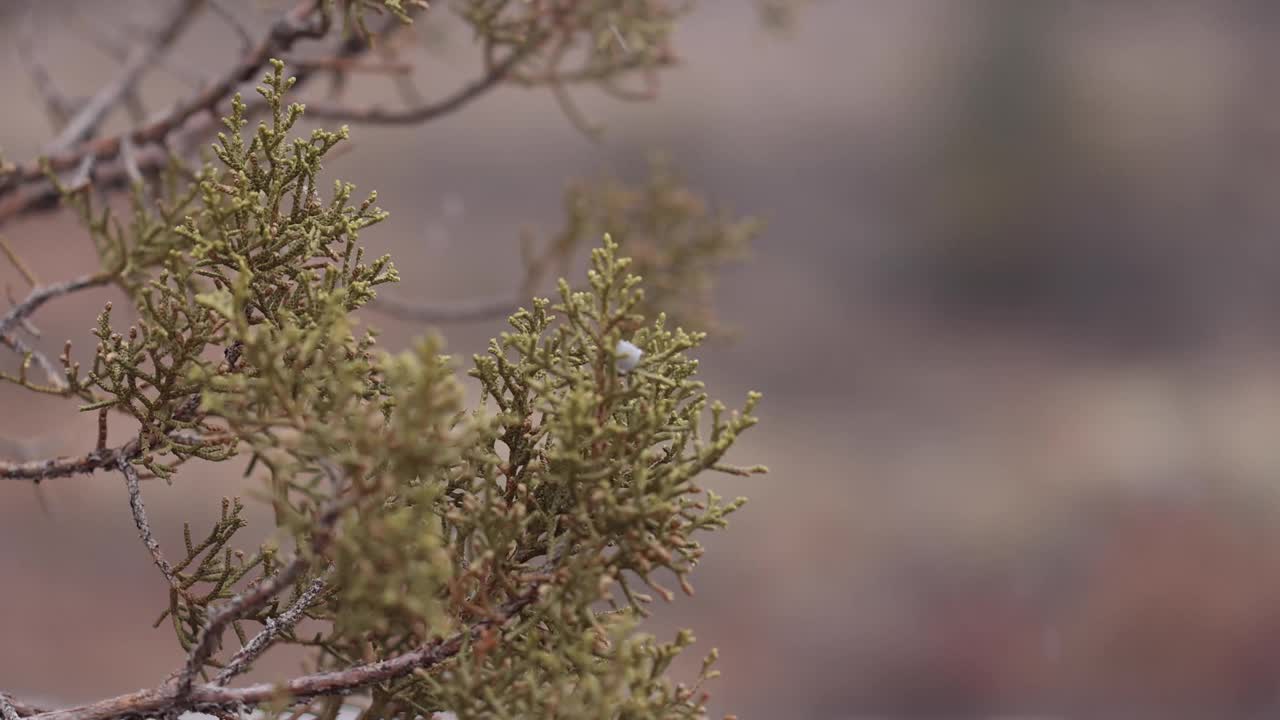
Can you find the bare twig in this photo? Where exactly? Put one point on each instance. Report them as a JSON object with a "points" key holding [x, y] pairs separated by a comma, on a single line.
{"points": [[57, 105], [246, 40], [352, 65], [83, 175], [274, 626], [26, 323], [422, 113], [405, 87], [476, 310], [56, 378], [140, 520], [90, 117], [41, 295], [166, 699], [303, 21], [129, 160], [111, 42], [560, 91], [25, 189], [17, 262]]}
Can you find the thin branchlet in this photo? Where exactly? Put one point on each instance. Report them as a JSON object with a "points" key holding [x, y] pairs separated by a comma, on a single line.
{"points": [[273, 627], [39, 296], [140, 520]]}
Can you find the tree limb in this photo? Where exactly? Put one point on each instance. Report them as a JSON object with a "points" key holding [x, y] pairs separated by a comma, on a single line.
{"points": [[89, 118], [38, 470]]}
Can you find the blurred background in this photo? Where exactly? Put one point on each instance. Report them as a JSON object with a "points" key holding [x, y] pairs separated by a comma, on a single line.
{"points": [[1015, 315]]}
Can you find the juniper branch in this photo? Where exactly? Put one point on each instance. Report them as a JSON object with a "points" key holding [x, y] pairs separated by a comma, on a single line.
{"points": [[104, 458], [596, 474], [256, 597]]}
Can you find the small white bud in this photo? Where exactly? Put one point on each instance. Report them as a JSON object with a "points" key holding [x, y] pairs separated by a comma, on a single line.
{"points": [[628, 356]]}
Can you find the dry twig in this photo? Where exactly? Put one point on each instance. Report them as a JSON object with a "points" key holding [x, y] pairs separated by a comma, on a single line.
{"points": [[20, 346], [25, 189], [140, 520], [39, 296], [166, 700], [377, 115], [57, 105], [89, 118], [38, 470], [303, 21], [281, 623]]}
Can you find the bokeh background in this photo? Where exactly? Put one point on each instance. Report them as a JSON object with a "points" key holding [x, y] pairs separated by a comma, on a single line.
{"points": [[1015, 316]]}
